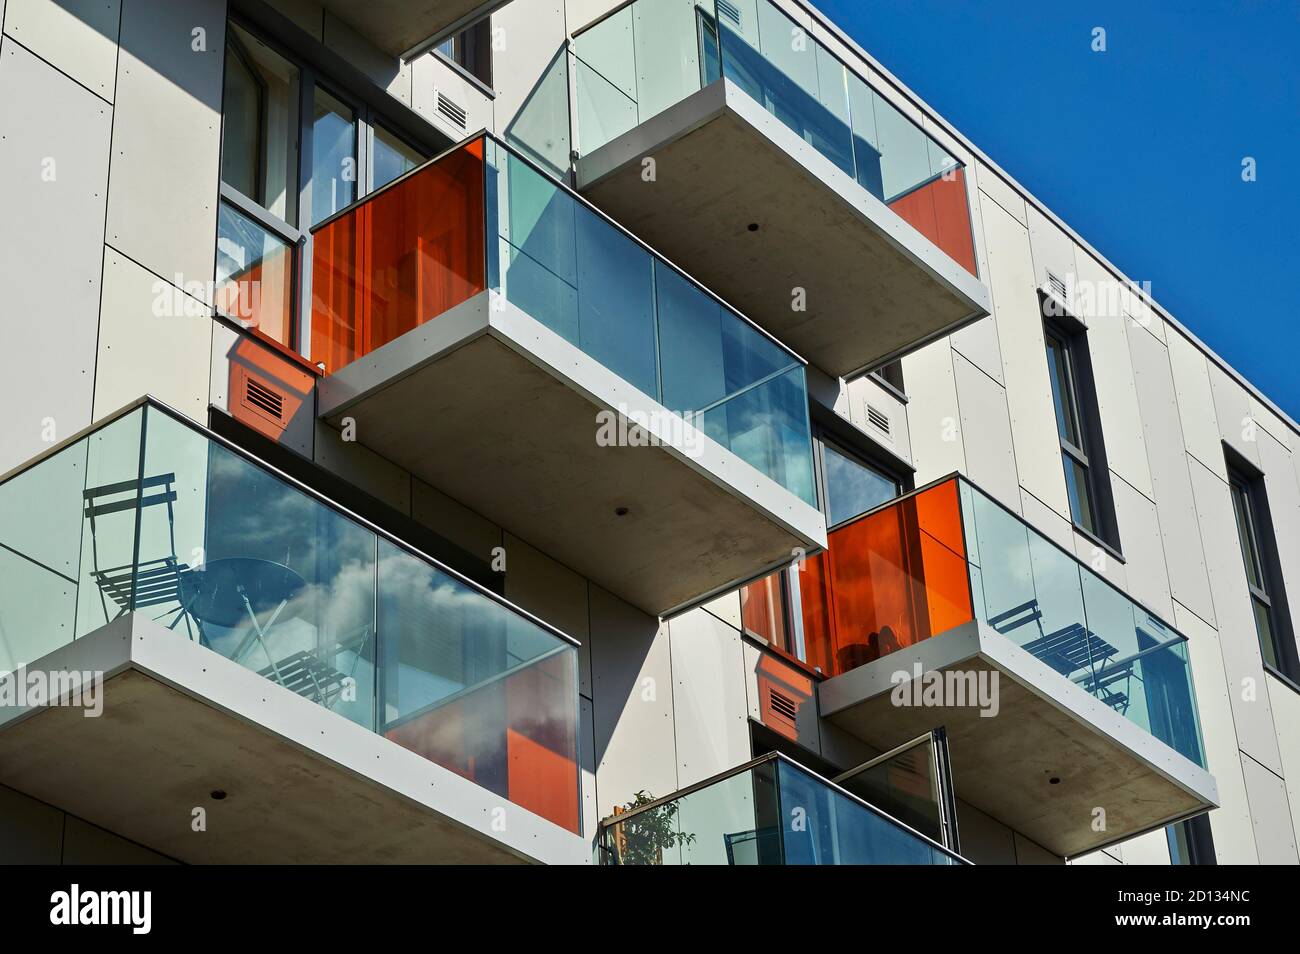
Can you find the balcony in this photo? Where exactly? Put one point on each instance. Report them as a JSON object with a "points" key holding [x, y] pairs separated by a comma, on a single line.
{"points": [[398, 26], [748, 817], [352, 699], [1059, 693], [768, 166], [484, 328]]}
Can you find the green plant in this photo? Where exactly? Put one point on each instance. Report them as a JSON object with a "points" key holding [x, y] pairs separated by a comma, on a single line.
{"points": [[643, 837]]}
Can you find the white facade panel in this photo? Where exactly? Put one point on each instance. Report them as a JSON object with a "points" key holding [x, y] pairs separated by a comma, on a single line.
{"points": [[1242, 663], [710, 709], [990, 460], [632, 696], [431, 76], [1112, 371], [1286, 706], [1144, 557], [1230, 825], [162, 200], [1271, 813], [1024, 362], [1196, 407], [978, 344], [1053, 250], [153, 339], [933, 415], [1237, 424], [53, 177], [78, 37], [1169, 475], [997, 189]]}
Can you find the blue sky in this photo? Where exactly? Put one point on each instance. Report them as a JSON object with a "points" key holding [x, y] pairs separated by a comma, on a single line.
{"points": [[1139, 148]]}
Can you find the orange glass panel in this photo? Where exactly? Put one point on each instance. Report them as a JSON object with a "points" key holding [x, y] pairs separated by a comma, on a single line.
{"points": [[399, 258], [515, 737], [897, 576], [761, 610], [815, 600], [542, 741], [938, 210]]}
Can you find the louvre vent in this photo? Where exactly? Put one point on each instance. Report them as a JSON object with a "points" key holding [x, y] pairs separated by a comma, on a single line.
{"points": [[263, 398], [730, 11], [451, 110], [783, 705], [878, 419], [1056, 285]]}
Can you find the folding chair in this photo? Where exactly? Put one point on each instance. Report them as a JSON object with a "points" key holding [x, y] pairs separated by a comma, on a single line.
{"points": [[156, 581]]}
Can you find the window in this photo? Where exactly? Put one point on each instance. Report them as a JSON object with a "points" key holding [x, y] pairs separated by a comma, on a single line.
{"points": [[259, 135], [1263, 579], [1087, 481], [390, 157], [891, 375], [292, 153], [471, 50], [851, 486], [333, 156], [1190, 842]]}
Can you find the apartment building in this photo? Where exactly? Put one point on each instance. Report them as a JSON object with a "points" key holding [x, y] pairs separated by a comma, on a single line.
{"points": [[573, 431]]}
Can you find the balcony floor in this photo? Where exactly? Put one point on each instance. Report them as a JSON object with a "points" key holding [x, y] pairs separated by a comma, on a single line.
{"points": [[1044, 729], [304, 785], [875, 286], [499, 412]]}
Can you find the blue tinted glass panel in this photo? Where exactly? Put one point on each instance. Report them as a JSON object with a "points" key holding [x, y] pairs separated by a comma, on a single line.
{"points": [[616, 302]]}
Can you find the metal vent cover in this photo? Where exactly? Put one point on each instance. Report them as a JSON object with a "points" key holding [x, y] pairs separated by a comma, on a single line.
{"points": [[878, 419], [258, 395], [1057, 285], [782, 704], [452, 110], [730, 11]]}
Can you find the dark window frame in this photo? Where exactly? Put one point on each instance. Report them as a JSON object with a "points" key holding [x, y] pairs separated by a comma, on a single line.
{"points": [[1087, 451], [1191, 842], [821, 438], [1251, 514], [297, 233], [470, 52]]}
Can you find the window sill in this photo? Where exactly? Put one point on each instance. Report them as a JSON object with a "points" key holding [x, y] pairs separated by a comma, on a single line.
{"points": [[1098, 541], [1282, 678], [269, 342], [466, 75], [785, 657]]}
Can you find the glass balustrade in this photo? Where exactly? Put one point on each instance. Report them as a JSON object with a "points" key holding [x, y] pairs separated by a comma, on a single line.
{"points": [[152, 515], [949, 554], [768, 812], [484, 217], [651, 54]]}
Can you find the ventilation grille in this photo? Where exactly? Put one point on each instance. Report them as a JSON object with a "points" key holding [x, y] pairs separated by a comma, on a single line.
{"points": [[730, 11], [451, 110], [259, 396], [1056, 285], [878, 419], [783, 705]]}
